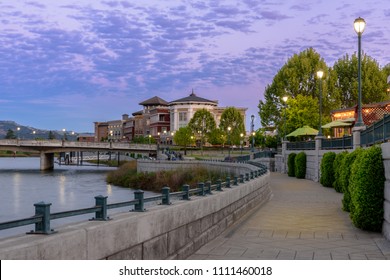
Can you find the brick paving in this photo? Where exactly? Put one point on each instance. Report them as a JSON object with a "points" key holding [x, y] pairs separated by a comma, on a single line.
{"points": [[302, 221]]}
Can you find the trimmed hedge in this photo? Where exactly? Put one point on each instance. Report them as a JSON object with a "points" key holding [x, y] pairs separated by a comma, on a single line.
{"points": [[291, 164], [337, 171], [367, 190], [345, 173], [300, 165], [327, 172]]}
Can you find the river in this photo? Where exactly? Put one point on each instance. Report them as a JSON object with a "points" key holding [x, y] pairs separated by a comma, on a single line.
{"points": [[67, 187]]}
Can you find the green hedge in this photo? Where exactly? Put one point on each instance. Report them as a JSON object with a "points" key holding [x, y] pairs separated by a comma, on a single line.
{"points": [[291, 164], [300, 165], [345, 173], [337, 171], [367, 190], [327, 172]]}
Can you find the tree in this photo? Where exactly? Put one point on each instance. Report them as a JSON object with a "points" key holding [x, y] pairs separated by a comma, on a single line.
{"points": [[374, 84], [202, 123], [10, 134], [296, 78], [217, 137], [184, 137], [232, 118], [51, 135]]}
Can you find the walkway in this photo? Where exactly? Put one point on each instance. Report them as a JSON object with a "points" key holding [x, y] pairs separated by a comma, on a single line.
{"points": [[303, 221]]}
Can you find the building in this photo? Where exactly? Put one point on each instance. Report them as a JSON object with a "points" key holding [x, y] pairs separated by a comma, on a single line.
{"points": [[158, 118]]}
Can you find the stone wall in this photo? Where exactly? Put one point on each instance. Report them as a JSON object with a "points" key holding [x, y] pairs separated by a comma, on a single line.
{"points": [[162, 232], [386, 205]]}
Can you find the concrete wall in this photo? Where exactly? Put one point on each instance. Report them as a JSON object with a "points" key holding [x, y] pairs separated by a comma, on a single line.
{"points": [[162, 232], [386, 205]]}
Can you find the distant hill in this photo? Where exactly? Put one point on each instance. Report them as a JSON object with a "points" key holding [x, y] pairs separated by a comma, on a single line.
{"points": [[27, 132]]}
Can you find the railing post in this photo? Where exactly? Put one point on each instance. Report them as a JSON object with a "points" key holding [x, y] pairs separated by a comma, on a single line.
{"points": [[208, 187], [241, 178], [227, 182], [235, 181], [43, 209], [201, 187], [186, 190], [251, 175], [246, 176], [139, 195], [166, 197], [219, 185], [101, 201]]}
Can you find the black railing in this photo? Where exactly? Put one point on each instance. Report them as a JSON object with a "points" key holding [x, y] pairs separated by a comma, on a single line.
{"points": [[42, 216], [337, 143], [305, 145], [377, 132]]}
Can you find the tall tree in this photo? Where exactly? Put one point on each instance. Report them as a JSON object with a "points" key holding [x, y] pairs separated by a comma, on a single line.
{"points": [[232, 118], [296, 77], [184, 137], [374, 84], [201, 124], [10, 134]]}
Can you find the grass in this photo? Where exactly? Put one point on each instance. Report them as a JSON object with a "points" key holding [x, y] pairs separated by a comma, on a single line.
{"points": [[127, 176]]}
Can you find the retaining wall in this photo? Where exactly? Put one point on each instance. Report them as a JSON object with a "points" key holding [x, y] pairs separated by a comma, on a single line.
{"points": [[386, 161], [162, 232]]}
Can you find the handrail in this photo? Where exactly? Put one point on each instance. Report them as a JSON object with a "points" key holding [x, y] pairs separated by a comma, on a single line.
{"points": [[42, 216]]}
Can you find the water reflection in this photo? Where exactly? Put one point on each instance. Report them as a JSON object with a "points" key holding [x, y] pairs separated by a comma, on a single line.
{"points": [[67, 187]]}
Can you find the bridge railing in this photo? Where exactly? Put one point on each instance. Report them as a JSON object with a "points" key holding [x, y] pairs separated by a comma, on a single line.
{"points": [[42, 216]]}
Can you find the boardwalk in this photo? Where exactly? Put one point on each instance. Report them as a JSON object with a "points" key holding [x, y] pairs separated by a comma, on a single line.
{"points": [[303, 221]]}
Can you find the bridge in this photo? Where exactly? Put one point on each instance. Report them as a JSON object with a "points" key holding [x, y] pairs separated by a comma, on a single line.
{"points": [[47, 148]]}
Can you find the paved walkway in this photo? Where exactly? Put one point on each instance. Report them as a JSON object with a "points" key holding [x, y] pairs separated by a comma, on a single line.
{"points": [[302, 221]]}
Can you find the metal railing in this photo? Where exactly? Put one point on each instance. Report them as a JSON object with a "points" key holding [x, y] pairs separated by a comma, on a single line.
{"points": [[305, 145], [377, 132], [345, 142], [42, 216]]}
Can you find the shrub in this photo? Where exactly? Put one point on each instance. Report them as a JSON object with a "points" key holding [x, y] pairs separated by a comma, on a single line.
{"points": [[291, 164], [327, 173], [367, 190], [337, 171], [345, 172], [300, 165]]}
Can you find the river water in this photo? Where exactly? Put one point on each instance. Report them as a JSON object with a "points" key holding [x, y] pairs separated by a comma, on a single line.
{"points": [[67, 187]]}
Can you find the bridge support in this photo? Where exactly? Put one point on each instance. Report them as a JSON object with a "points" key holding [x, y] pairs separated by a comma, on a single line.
{"points": [[47, 161]]}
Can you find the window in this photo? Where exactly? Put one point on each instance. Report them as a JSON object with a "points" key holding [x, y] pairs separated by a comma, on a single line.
{"points": [[182, 116]]}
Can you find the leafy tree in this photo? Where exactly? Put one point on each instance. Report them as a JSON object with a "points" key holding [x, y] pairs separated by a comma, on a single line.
{"points": [[202, 123], [51, 135], [217, 137], [144, 140], [231, 117], [183, 137], [374, 82], [10, 134], [296, 78]]}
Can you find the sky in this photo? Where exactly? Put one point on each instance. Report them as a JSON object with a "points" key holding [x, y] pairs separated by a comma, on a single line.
{"points": [[67, 64]]}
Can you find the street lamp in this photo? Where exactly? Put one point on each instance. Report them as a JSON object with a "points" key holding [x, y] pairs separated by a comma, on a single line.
{"points": [[64, 131], [359, 25], [320, 73], [241, 140], [17, 134], [252, 132], [285, 98], [229, 128]]}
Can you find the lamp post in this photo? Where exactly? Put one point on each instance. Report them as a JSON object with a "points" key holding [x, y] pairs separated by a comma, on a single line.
{"points": [[359, 25], [64, 131], [285, 98], [229, 128], [252, 132], [17, 134], [320, 73], [241, 141]]}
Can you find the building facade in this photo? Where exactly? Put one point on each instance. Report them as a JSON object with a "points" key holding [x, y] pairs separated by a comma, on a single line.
{"points": [[158, 118]]}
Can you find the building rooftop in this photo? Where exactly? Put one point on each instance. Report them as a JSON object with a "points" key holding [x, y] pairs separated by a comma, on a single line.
{"points": [[154, 101], [193, 98]]}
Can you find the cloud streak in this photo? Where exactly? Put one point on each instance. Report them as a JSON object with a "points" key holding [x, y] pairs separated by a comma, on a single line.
{"points": [[52, 51]]}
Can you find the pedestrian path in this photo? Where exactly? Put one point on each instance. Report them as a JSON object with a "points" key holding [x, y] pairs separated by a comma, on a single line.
{"points": [[302, 221]]}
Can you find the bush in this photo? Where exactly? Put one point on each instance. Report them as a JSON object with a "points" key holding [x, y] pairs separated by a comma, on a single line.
{"points": [[300, 165], [327, 173], [291, 164], [345, 173], [367, 190], [337, 171]]}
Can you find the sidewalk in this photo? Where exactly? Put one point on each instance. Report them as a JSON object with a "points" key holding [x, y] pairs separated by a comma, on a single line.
{"points": [[302, 221]]}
